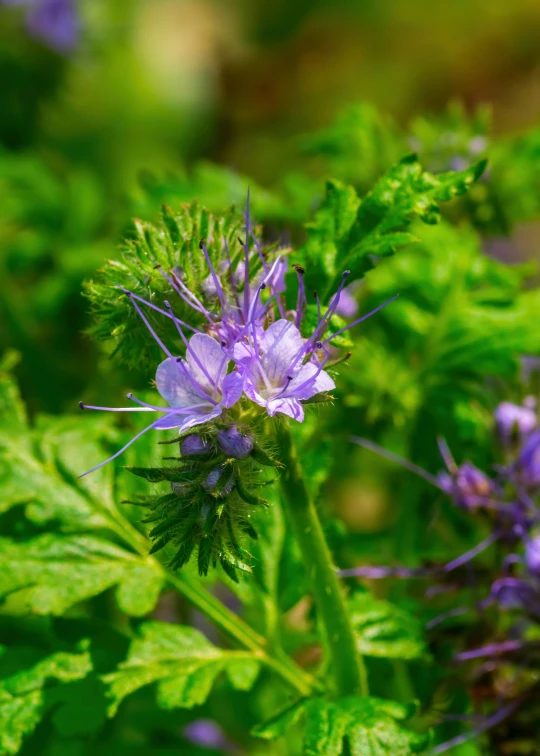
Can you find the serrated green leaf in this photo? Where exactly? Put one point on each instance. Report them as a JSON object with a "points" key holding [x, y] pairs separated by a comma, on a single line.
{"points": [[26, 696], [50, 573], [384, 630], [182, 662], [370, 727]]}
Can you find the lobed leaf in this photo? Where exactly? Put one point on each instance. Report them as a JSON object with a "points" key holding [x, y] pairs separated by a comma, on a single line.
{"points": [[27, 695], [363, 726], [52, 572], [385, 630], [182, 662]]}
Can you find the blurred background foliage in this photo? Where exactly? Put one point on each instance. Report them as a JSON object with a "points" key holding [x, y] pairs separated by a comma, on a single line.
{"points": [[165, 101]]}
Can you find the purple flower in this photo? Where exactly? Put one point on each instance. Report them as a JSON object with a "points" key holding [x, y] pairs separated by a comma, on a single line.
{"points": [[275, 376], [235, 443], [516, 593], [468, 486], [207, 734], [513, 419], [197, 390], [528, 461], [532, 555], [348, 306], [54, 22]]}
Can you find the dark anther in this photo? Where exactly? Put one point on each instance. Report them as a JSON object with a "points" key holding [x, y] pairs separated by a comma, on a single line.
{"points": [[127, 293], [315, 294], [223, 343], [263, 286], [346, 272], [201, 244], [289, 377], [240, 242], [318, 344], [156, 266], [179, 359], [130, 395], [299, 269], [81, 405], [167, 304]]}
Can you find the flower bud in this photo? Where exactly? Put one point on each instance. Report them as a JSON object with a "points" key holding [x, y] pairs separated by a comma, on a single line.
{"points": [[212, 480], [528, 462], [512, 419], [235, 443], [469, 487], [194, 444]]}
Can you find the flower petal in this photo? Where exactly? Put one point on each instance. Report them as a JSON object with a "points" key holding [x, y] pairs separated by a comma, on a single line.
{"points": [[281, 343], [205, 358], [232, 387], [304, 385], [173, 381], [183, 422], [291, 407]]}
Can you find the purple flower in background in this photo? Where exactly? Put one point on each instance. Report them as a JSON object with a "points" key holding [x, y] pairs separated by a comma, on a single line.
{"points": [[208, 734], [54, 22], [467, 485], [348, 306], [532, 555], [527, 464], [514, 419]]}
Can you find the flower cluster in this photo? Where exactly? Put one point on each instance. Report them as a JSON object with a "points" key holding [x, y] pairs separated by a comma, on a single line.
{"points": [[250, 360], [499, 628], [250, 348]]}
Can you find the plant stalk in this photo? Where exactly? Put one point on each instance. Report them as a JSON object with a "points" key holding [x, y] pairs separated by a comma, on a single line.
{"points": [[346, 664], [220, 615]]}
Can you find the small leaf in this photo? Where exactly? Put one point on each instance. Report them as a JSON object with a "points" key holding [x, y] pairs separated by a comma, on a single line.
{"points": [[385, 630], [26, 696], [182, 662]]}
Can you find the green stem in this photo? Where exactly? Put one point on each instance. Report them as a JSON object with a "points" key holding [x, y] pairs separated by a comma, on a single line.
{"points": [[346, 664], [221, 616]]}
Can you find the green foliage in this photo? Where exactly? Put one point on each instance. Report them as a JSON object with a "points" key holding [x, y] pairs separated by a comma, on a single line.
{"points": [[182, 662], [350, 232], [171, 246], [385, 630], [365, 726], [205, 512], [52, 572], [27, 695]]}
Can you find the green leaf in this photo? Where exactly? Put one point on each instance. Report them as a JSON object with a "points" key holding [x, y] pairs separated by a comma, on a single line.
{"points": [[385, 630], [369, 726], [51, 573], [386, 212], [182, 662], [26, 696]]}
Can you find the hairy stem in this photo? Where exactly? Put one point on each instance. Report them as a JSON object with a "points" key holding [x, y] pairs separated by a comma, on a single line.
{"points": [[346, 664], [220, 615]]}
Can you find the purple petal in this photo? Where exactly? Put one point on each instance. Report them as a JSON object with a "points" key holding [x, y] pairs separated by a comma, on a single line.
{"points": [[322, 382], [184, 423], [291, 407], [232, 387], [173, 381], [206, 352], [280, 343]]}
